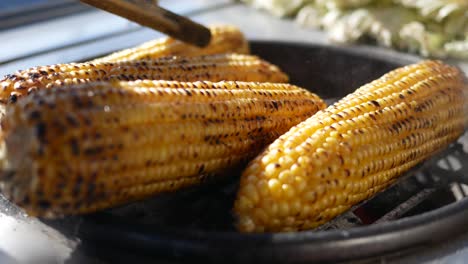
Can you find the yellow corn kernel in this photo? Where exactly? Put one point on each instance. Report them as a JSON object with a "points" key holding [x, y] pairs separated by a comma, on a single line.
{"points": [[218, 67], [224, 39], [78, 149], [355, 148]]}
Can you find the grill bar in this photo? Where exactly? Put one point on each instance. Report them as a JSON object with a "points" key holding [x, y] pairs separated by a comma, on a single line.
{"points": [[405, 207]]}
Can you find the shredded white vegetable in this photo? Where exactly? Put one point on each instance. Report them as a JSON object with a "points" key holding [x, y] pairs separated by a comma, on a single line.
{"points": [[431, 28]]}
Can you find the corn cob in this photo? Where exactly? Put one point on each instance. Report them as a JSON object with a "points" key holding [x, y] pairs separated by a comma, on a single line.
{"points": [[218, 67], [224, 39], [78, 149], [353, 149]]}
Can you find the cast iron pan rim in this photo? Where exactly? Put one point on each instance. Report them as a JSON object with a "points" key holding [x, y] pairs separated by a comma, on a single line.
{"points": [[433, 226], [437, 219], [332, 245], [386, 55]]}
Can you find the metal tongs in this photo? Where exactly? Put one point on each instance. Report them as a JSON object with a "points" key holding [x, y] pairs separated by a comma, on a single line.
{"points": [[147, 13]]}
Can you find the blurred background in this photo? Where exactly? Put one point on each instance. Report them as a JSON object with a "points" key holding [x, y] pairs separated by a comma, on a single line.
{"points": [[23, 12], [19, 3]]}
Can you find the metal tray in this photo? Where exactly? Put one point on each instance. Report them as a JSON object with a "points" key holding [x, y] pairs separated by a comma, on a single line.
{"points": [[184, 227]]}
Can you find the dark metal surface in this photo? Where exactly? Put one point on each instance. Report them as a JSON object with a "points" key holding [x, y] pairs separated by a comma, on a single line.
{"points": [[197, 223], [27, 12]]}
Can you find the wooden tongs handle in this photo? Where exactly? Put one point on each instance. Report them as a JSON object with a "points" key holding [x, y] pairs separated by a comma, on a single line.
{"points": [[150, 15]]}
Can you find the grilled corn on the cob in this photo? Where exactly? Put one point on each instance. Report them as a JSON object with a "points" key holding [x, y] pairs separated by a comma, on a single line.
{"points": [[83, 148], [224, 39], [353, 149], [218, 67]]}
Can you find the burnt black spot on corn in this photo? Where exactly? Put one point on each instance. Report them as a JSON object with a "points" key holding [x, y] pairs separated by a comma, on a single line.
{"points": [[218, 67], [353, 149], [224, 39], [183, 129]]}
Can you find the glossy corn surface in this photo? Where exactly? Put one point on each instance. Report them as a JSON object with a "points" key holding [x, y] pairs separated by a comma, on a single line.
{"points": [[353, 149], [78, 149], [217, 67], [224, 39]]}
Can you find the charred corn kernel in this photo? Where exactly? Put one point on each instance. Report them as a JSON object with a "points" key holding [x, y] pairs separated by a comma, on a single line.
{"points": [[224, 39], [353, 149], [218, 67], [78, 149]]}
